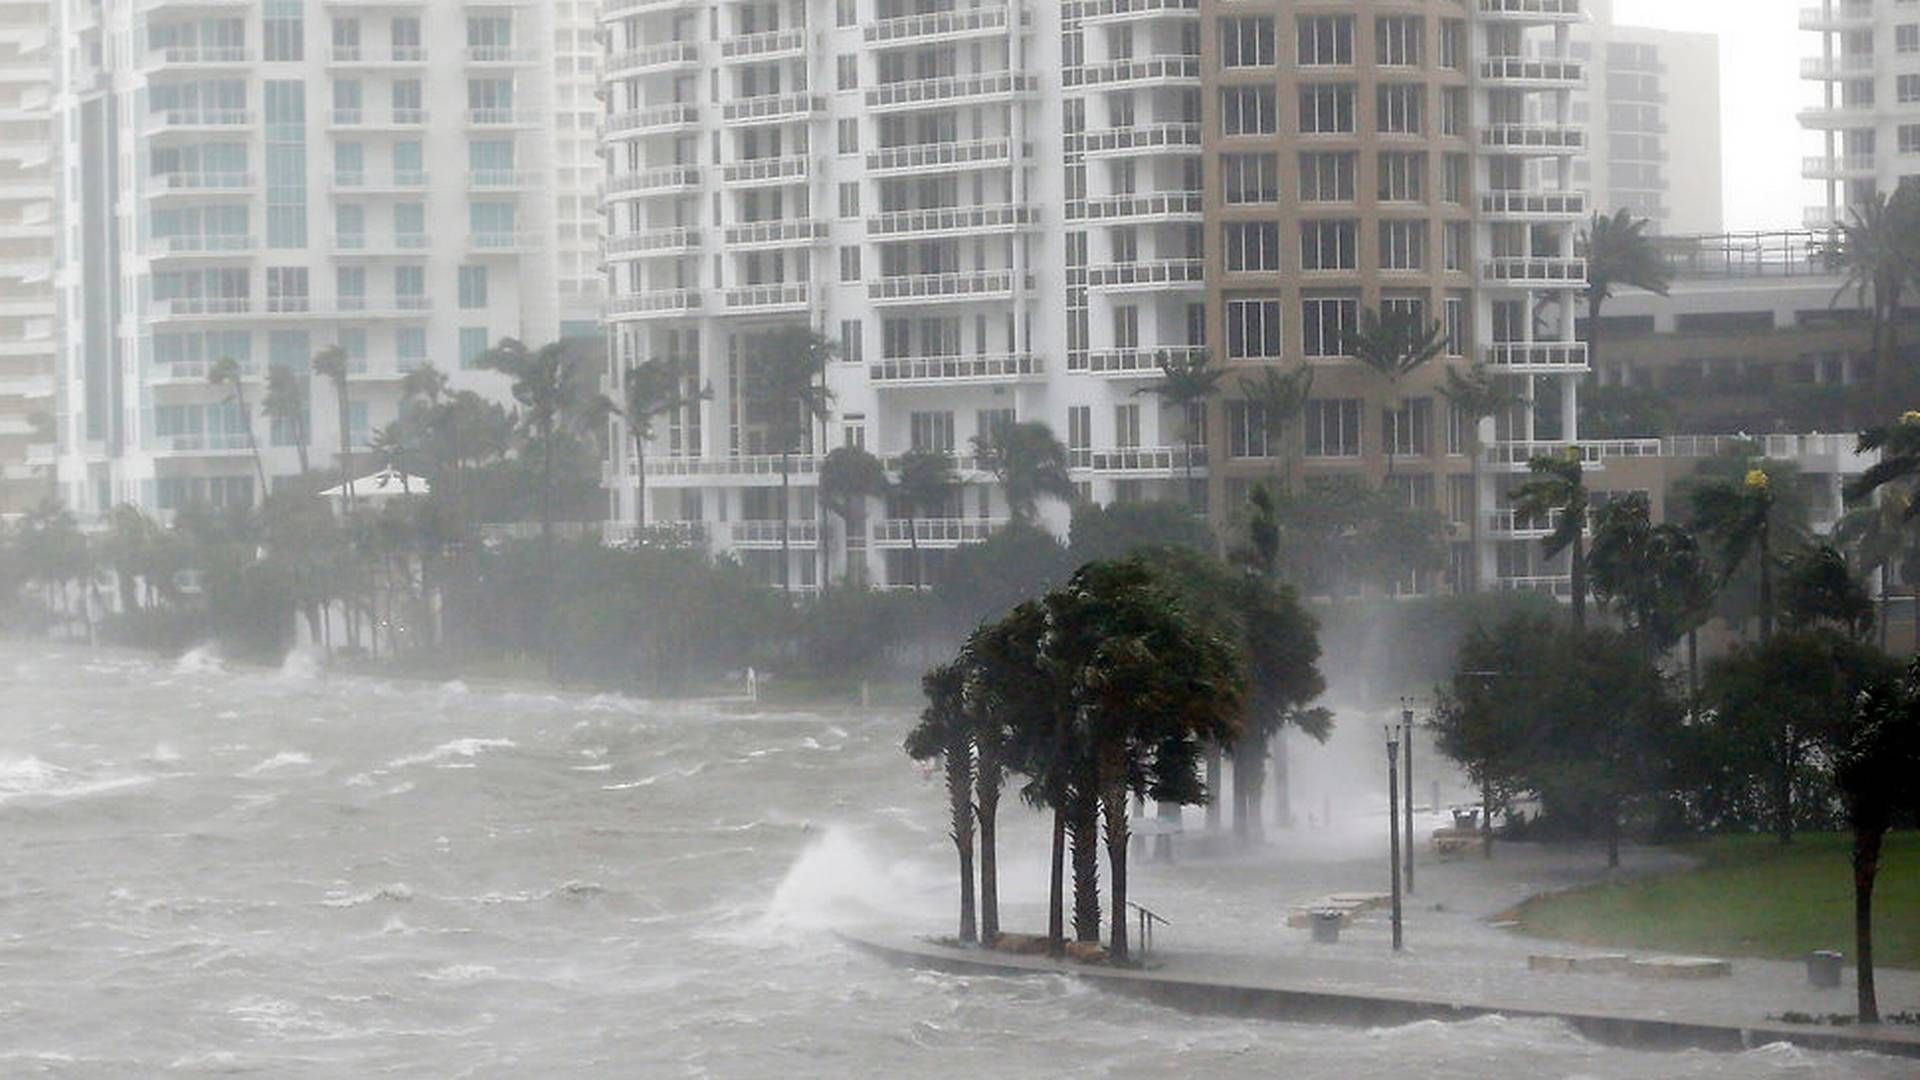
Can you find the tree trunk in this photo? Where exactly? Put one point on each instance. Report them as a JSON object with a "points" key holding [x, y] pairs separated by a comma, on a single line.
{"points": [[1866, 865], [1580, 578], [1213, 787], [1473, 513], [1613, 835], [1056, 889], [1084, 825], [1277, 752], [913, 541], [987, 793], [639, 481], [1113, 797], [786, 541], [1783, 790], [959, 762], [1766, 584], [1486, 819], [1258, 753], [1242, 753]]}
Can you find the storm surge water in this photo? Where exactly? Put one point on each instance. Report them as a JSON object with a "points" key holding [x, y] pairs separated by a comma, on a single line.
{"points": [[210, 869]]}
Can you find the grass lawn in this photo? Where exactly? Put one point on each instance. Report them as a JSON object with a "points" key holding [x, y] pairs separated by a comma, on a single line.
{"points": [[1748, 897]]}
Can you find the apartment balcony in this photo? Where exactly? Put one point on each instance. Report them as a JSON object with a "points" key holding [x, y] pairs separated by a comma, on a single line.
{"points": [[660, 180], [500, 117], [1536, 272], [1534, 205], [1096, 12], [744, 470], [1512, 525], [768, 534], [653, 242], [1132, 363], [1150, 208], [1840, 167], [358, 245], [939, 157], [1837, 117], [775, 234], [1558, 586], [198, 58], [1837, 67], [1174, 138], [1515, 456], [197, 121], [952, 90], [203, 246], [1173, 70], [771, 299], [654, 304], [615, 10], [654, 119], [1522, 73], [787, 44], [1140, 462], [958, 286], [201, 185], [666, 56], [205, 444], [957, 25], [200, 307], [500, 244], [991, 369], [1531, 12], [765, 172], [1838, 16], [192, 373], [1149, 274], [501, 181], [952, 221], [936, 533], [359, 57], [361, 185], [500, 56], [1536, 357], [1533, 140], [772, 109]]}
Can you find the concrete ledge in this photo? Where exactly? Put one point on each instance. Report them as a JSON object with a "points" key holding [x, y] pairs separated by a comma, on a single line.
{"points": [[1275, 1001]]}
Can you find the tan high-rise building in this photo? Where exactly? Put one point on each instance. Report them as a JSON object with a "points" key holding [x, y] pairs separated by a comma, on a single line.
{"points": [[27, 350]]}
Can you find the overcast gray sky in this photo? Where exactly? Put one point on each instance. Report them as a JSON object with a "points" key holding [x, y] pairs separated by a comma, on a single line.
{"points": [[1760, 49]]}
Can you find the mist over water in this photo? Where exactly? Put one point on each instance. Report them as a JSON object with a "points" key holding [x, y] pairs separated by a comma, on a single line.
{"points": [[287, 873]]}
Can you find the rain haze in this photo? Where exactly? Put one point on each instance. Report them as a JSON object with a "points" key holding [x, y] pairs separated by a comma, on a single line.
{"points": [[957, 538]]}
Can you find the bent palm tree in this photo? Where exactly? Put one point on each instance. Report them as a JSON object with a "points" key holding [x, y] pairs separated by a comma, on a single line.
{"points": [[1187, 381], [226, 372], [1281, 397], [653, 389], [1559, 487], [788, 384], [1028, 461], [554, 387], [331, 364], [848, 478], [1619, 252], [286, 404], [1874, 252], [944, 733], [1740, 519], [927, 481], [1393, 347]]}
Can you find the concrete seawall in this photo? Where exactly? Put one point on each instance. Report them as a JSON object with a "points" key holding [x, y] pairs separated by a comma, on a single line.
{"points": [[1303, 1004]]}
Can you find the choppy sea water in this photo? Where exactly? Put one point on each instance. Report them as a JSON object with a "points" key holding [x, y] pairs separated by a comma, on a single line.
{"points": [[281, 874]]}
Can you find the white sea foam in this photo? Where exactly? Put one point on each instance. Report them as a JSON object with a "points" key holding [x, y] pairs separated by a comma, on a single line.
{"points": [[200, 660], [448, 751], [285, 759], [398, 892]]}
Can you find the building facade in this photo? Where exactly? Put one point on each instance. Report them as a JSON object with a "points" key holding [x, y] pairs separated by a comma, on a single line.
{"points": [[1869, 114], [407, 181], [1014, 211], [26, 254], [1651, 105]]}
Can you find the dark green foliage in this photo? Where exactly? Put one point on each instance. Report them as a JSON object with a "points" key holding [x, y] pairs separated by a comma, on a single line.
{"points": [[1624, 412], [983, 581], [1119, 530]]}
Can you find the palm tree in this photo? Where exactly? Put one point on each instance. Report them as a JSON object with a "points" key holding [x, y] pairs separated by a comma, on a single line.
{"points": [[653, 389], [1475, 395], [1655, 574], [944, 732], [331, 363], [787, 382], [1818, 586], [1874, 251], [1875, 766], [1281, 397], [286, 403], [1028, 461], [554, 386], [849, 476], [1618, 253], [1559, 487], [1880, 539], [1740, 519], [1394, 347], [1188, 380], [226, 372], [927, 481]]}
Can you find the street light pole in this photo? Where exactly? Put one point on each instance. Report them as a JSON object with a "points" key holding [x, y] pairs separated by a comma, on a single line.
{"points": [[1393, 827], [1406, 723]]}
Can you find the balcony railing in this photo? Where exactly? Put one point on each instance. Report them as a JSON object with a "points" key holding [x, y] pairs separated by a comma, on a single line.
{"points": [[1527, 270], [934, 532], [767, 170], [1098, 11], [659, 178], [946, 370], [772, 108], [654, 117], [655, 302], [1178, 67], [938, 155], [952, 285], [1534, 138], [1132, 361], [1534, 204], [935, 26], [1532, 10], [1537, 356], [1148, 272], [764, 45], [1510, 70], [774, 297], [1172, 136], [775, 233], [768, 533], [1138, 460], [950, 219], [1170, 205], [914, 93]]}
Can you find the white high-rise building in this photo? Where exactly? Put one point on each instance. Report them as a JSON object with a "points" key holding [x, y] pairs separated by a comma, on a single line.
{"points": [[1009, 210], [1869, 115], [1651, 106], [26, 253], [410, 180]]}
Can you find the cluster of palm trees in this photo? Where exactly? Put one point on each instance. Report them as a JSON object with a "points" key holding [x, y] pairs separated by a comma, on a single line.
{"points": [[1114, 685]]}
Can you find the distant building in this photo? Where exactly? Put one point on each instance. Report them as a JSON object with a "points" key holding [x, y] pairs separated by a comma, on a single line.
{"points": [[1652, 109], [409, 182], [1870, 113], [26, 254]]}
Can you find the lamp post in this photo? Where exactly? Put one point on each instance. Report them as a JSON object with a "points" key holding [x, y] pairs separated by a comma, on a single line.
{"points": [[1406, 728], [1393, 825]]}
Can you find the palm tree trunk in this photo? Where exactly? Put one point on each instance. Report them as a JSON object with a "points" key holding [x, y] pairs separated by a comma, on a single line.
{"points": [[1213, 787], [1113, 798], [344, 419], [1473, 514], [1613, 834], [1257, 787], [1056, 890], [786, 542], [1486, 819], [1866, 866], [1282, 783], [913, 541], [1580, 580], [959, 764], [1084, 826], [986, 811], [1783, 789], [640, 481]]}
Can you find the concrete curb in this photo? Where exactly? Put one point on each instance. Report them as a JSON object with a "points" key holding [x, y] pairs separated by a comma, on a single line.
{"points": [[1362, 1009]]}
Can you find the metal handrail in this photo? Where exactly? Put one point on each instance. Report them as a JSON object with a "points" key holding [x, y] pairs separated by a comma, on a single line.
{"points": [[1147, 918]]}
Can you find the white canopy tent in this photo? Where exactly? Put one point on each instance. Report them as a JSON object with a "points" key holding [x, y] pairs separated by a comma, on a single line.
{"points": [[380, 488]]}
